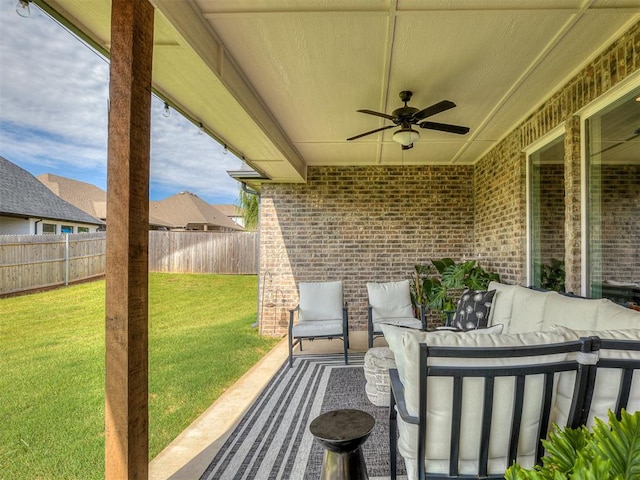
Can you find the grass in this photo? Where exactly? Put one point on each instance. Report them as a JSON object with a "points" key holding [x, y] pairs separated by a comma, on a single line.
{"points": [[52, 368]]}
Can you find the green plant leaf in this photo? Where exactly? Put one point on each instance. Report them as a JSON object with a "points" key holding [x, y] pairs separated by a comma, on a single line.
{"points": [[562, 449], [442, 264], [609, 452], [592, 469], [620, 443]]}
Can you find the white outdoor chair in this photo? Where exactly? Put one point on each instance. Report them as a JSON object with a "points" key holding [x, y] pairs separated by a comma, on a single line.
{"points": [[391, 303], [322, 313]]}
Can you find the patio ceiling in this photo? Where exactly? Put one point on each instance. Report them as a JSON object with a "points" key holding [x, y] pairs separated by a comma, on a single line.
{"points": [[279, 81]]}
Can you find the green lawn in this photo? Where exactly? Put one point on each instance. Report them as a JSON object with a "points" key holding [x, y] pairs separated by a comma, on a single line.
{"points": [[52, 368]]}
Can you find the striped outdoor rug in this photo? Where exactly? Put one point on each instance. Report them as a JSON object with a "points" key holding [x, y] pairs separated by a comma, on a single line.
{"points": [[273, 441]]}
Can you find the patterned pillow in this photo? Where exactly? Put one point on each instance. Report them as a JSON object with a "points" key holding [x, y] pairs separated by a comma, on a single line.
{"points": [[473, 309]]}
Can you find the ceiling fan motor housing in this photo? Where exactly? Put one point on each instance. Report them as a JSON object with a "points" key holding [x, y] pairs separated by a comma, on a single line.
{"points": [[406, 95]]}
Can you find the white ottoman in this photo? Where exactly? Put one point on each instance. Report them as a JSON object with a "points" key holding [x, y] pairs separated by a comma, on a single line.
{"points": [[377, 362]]}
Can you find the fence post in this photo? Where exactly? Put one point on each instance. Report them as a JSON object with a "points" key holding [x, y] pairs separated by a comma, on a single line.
{"points": [[66, 259]]}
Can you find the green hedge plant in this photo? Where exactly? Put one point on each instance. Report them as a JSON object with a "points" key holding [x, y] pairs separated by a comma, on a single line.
{"points": [[607, 452]]}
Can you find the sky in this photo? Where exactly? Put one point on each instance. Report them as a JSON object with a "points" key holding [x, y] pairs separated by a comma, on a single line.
{"points": [[53, 115]]}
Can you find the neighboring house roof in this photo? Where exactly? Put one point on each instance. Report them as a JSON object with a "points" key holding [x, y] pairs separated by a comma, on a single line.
{"points": [[93, 200], [230, 210], [85, 196], [186, 210], [156, 221], [21, 194]]}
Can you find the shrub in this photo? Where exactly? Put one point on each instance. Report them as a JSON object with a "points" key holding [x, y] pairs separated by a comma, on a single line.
{"points": [[608, 452]]}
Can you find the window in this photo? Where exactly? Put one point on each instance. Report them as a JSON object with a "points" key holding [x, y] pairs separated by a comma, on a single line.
{"points": [[546, 216], [83, 229], [66, 229], [613, 189], [48, 228]]}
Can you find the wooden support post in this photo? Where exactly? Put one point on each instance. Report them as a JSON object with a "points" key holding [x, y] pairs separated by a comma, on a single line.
{"points": [[126, 403]]}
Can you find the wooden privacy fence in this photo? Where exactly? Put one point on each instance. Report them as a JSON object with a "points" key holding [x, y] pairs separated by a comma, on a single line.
{"points": [[37, 261], [203, 252]]}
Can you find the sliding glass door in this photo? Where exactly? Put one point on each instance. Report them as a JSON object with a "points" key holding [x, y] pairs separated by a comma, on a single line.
{"points": [[613, 189]]}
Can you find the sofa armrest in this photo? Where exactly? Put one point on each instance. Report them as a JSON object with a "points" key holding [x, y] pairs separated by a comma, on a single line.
{"points": [[397, 404], [397, 390]]}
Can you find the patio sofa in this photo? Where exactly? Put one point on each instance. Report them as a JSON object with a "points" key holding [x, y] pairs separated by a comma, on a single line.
{"points": [[559, 360]]}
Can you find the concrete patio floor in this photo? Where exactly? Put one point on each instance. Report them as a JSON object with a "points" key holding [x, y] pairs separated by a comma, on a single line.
{"points": [[188, 456]]}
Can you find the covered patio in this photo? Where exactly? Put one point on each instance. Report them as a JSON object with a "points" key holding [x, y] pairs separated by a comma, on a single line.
{"points": [[549, 168]]}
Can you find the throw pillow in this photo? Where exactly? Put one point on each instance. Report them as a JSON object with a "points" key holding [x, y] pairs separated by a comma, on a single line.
{"points": [[473, 309]]}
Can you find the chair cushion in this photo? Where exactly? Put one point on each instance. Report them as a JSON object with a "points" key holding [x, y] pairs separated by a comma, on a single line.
{"points": [[473, 309], [320, 301], [390, 300], [322, 328]]}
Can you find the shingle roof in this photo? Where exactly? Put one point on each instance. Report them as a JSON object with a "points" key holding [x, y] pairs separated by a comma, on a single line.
{"points": [[229, 210], [187, 209], [22, 194], [86, 197]]}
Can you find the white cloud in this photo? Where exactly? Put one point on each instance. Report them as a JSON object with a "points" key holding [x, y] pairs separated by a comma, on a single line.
{"points": [[53, 115]]}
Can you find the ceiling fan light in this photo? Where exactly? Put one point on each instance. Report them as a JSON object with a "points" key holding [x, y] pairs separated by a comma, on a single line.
{"points": [[406, 136]]}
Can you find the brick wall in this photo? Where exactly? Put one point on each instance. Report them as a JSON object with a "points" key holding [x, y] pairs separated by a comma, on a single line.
{"points": [[551, 212], [375, 223], [500, 176], [500, 214], [359, 224]]}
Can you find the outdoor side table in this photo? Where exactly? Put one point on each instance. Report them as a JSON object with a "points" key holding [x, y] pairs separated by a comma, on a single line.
{"points": [[342, 433]]}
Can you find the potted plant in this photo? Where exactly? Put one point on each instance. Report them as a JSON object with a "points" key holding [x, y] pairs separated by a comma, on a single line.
{"points": [[552, 275], [440, 284], [608, 452]]}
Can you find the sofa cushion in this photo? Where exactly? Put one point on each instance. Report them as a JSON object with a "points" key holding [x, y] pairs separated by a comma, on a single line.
{"points": [[612, 316], [527, 310], [473, 309], [607, 382], [440, 400], [521, 310], [390, 300], [572, 312], [502, 300], [393, 335], [408, 322], [320, 301]]}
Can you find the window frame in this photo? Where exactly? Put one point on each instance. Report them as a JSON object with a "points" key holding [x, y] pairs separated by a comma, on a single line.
{"points": [[547, 139]]}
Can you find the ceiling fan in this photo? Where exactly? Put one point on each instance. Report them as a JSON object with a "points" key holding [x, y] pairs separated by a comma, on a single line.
{"points": [[407, 116]]}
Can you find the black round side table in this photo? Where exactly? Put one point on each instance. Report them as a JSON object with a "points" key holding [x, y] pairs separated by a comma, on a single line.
{"points": [[341, 433]]}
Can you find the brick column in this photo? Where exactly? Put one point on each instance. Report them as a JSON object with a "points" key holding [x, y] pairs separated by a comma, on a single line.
{"points": [[572, 205]]}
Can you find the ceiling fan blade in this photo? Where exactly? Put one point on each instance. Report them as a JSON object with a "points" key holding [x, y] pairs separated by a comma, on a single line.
{"points": [[433, 109], [372, 131], [445, 127], [377, 114]]}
